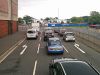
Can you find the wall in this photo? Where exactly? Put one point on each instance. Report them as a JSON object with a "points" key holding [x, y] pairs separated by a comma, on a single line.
{"points": [[8, 17], [3, 28], [14, 26]]}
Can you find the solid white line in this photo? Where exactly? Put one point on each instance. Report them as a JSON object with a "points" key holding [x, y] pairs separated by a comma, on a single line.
{"points": [[25, 47], [38, 49], [65, 49], [21, 41], [35, 67], [8, 52], [79, 48]]}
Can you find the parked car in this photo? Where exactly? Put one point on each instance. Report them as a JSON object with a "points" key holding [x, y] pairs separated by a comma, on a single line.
{"points": [[54, 46], [68, 66], [69, 36], [32, 33], [48, 34]]}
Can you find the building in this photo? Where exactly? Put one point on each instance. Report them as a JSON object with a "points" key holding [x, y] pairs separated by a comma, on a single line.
{"points": [[8, 17]]}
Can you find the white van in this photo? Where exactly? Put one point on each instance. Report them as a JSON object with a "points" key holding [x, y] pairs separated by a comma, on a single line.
{"points": [[32, 33]]}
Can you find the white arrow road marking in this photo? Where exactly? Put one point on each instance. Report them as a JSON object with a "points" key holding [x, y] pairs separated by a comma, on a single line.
{"points": [[65, 49], [35, 67], [25, 47], [38, 49], [77, 46]]}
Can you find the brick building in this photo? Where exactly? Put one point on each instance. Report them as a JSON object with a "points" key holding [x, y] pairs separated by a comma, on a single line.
{"points": [[8, 17]]}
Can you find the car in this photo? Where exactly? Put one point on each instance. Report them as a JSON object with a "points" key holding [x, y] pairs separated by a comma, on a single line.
{"points": [[54, 46], [61, 31], [69, 66], [69, 36], [48, 34], [31, 33]]}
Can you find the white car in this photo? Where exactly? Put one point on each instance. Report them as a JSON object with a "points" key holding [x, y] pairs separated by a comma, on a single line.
{"points": [[32, 33], [69, 36]]}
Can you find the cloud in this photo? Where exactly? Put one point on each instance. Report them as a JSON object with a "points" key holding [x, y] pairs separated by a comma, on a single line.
{"points": [[67, 8]]}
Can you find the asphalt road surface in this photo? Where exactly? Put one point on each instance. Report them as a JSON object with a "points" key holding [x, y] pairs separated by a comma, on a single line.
{"points": [[29, 57]]}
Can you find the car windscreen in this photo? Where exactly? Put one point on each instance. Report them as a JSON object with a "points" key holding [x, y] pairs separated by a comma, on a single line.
{"points": [[54, 42], [78, 69]]}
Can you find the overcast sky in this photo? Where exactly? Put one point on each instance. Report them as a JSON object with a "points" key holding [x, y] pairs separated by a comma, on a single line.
{"points": [[57, 8]]}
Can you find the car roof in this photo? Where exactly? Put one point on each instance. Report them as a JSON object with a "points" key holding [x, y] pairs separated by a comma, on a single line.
{"points": [[78, 68], [63, 59], [68, 32], [54, 38], [31, 29]]}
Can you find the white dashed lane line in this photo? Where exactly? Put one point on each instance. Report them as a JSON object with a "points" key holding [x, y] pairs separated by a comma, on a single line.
{"points": [[34, 70], [65, 49], [38, 49], [40, 38]]}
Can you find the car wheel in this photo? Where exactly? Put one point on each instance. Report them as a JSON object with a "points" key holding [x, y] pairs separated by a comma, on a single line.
{"points": [[44, 39], [73, 40], [27, 38]]}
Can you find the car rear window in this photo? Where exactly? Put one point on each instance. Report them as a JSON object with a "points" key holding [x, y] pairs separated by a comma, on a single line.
{"points": [[54, 42], [70, 34], [31, 32], [78, 68]]}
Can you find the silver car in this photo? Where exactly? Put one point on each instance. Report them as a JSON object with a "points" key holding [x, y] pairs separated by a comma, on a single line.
{"points": [[69, 36]]}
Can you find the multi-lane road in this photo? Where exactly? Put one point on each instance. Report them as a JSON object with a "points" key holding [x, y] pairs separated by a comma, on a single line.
{"points": [[29, 57]]}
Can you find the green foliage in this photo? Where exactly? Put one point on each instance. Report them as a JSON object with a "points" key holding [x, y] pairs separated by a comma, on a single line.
{"points": [[20, 20], [77, 20], [94, 17], [27, 19]]}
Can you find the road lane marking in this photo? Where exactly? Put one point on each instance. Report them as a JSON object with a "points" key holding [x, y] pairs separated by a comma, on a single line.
{"points": [[35, 67], [21, 41], [77, 46], [38, 49], [8, 52], [40, 38], [65, 49], [25, 47]]}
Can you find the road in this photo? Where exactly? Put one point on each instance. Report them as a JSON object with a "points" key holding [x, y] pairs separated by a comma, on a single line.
{"points": [[29, 57]]}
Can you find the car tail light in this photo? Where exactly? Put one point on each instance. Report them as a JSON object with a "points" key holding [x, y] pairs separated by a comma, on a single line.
{"points": [[50, 48]]}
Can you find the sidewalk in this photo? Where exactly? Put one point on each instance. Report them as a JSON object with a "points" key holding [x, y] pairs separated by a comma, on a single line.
{"points": [[8, 41]]}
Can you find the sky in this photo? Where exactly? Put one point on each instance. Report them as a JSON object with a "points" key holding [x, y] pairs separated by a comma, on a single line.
{"points": [[63, 9]]}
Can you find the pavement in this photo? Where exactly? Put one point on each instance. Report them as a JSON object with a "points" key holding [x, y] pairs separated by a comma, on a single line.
{"points": [[10, 40]]}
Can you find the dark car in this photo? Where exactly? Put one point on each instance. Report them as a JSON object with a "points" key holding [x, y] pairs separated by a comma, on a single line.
{"points": [[48, 34], [54, 46], [61, 32], [68, 66]]}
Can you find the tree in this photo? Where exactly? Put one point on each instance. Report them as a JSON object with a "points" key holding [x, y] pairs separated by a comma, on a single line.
{"points": [[86, 19], [77, 20], [94, 17], [47, 18], [27, 19], [20, 20]]}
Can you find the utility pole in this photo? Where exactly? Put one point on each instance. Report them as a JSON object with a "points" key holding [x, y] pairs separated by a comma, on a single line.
{"points": [[58, 14]]}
